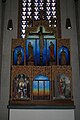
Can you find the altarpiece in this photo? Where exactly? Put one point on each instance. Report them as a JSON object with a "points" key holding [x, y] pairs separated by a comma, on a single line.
{"points": [[41, 72]]}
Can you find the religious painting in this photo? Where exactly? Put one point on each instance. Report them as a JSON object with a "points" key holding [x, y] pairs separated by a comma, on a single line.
{"points": [[32, 57], [21, 87], [51, 52], [64, 56], [41, 88], [18, 56], [43, 81], [41, 53], [62, 87]]}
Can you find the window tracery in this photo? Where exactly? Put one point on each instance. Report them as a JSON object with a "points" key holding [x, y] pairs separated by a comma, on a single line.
{"points": [[36, 10]]}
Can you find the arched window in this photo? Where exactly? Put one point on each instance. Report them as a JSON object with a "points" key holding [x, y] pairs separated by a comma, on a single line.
{"points": [[36, 10], [41, 88]]}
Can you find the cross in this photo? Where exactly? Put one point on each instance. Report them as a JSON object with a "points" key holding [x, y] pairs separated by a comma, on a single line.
{"points": [[41, 37]]}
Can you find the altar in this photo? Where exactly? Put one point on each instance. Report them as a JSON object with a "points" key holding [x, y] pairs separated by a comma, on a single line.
{"points": [[41, 113]]}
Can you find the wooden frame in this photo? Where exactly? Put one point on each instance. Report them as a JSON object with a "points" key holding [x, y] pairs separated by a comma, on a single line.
{"points": [[50, 71]]}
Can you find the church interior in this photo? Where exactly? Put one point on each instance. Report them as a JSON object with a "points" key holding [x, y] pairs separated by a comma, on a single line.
{"points": [[39, 55]]}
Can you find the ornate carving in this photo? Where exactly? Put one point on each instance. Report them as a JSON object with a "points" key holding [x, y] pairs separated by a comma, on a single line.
{"points": [[41, 23], [51, 71]]}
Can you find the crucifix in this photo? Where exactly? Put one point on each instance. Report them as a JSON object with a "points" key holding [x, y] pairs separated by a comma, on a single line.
{"points": [[41, 37], [41, 41]]}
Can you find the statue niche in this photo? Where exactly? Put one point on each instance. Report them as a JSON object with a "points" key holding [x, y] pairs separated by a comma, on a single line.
{"points": [[18, 56], [63, 57], [21, 89], [62, 87]]}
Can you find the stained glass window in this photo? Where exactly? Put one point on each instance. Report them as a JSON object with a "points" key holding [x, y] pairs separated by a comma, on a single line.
{"points": [[35, 10], [41, 88]]}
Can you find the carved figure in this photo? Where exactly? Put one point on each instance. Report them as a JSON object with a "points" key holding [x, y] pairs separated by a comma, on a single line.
{"points": [[41, 44], [62, 86], [19, 58], [63, 57], [22, 88], [51, 47], [30, 51]]}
